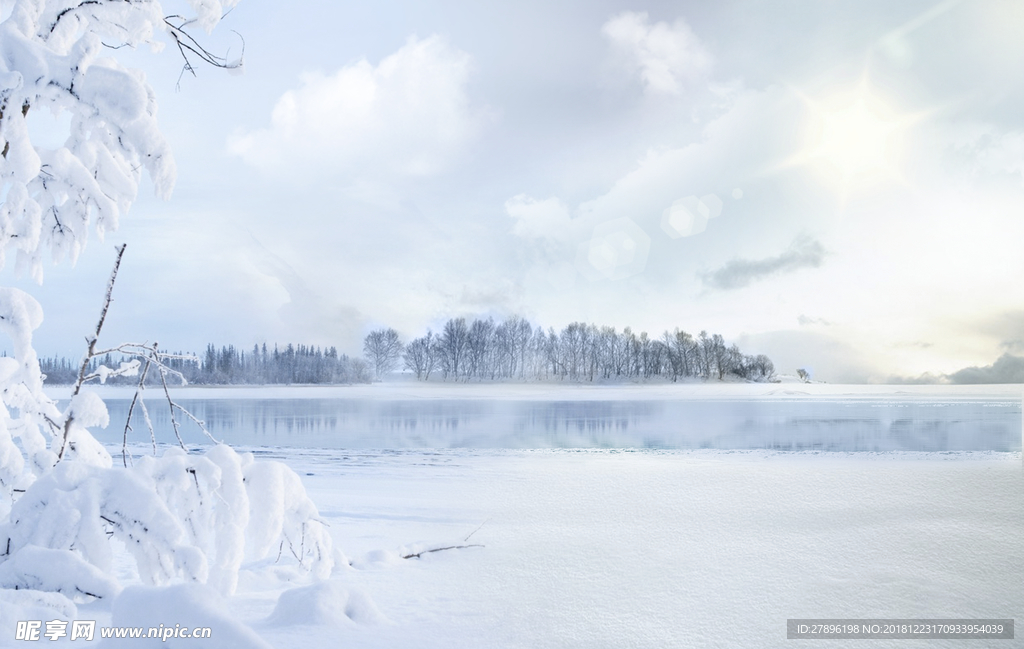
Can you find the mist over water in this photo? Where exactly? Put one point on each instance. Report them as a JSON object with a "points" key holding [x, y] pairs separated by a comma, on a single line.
{"points": [[918, 423]]}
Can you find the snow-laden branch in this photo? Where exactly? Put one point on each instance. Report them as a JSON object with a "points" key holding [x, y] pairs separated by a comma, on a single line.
{"points": [[180, 516], [188, 47], [54, 57]]}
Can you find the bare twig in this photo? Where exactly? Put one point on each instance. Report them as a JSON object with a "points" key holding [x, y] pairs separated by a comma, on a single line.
{"points": [[131, 408], [70, 417], [156, 358], [189, 46], [417, 555], [476, 530], [197, 422], [147, 353], [291, 548], [149, 424], [170, 405]]}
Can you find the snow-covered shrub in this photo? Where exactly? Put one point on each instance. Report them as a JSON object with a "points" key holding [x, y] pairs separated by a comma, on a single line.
{"points": [[283, 517], [181, 517]]}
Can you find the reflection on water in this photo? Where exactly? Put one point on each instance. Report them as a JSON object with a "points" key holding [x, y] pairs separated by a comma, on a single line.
{"points": [[916, 424]]}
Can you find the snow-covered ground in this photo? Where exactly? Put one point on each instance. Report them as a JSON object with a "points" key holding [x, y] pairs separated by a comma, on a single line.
{"points": [[603, 548]]}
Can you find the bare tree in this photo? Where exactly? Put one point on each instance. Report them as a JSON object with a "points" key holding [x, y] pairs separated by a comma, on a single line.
{"points": [[571, 345], [631, 350], [719, 355], [421, 355], [454, 340], [764, 367], [509, 346], [551, 349], [685, 350], [383, 349], [539, 354], [736, 362], [579, 352], [523, 332], [479, 345], [705, 354], [647, 356]]}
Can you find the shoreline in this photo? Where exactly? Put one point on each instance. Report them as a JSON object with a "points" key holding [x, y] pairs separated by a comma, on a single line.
{"points": [[412, 391]]}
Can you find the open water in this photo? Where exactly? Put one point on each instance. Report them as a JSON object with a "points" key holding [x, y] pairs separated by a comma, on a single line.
{"points": [[904, 423]]}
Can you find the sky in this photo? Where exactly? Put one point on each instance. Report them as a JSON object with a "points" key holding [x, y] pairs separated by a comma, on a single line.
{"points": [[838, 185]]}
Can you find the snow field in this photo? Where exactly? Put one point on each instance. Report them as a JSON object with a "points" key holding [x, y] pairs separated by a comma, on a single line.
{"points": [[652, 549], [603, 548]]}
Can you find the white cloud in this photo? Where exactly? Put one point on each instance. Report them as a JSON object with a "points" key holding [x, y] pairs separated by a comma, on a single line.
{"points": [[546, 236], [665, 56], [752, 136], [408, 116], [754, 133], [539, 219], [1003, 154]]}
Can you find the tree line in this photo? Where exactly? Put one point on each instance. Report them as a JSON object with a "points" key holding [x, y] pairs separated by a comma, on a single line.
{"points": [[477, 350], [229, 365], [514, 349]]}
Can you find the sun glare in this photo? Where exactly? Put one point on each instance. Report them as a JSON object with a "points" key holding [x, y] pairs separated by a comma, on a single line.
{"points": [[856, 140], [853, 138]]}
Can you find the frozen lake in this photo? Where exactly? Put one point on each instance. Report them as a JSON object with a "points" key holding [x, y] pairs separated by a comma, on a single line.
{"points": [[521, 417]]}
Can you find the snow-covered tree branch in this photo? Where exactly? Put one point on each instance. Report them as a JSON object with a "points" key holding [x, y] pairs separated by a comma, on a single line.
{"points": [[180, 516]]}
